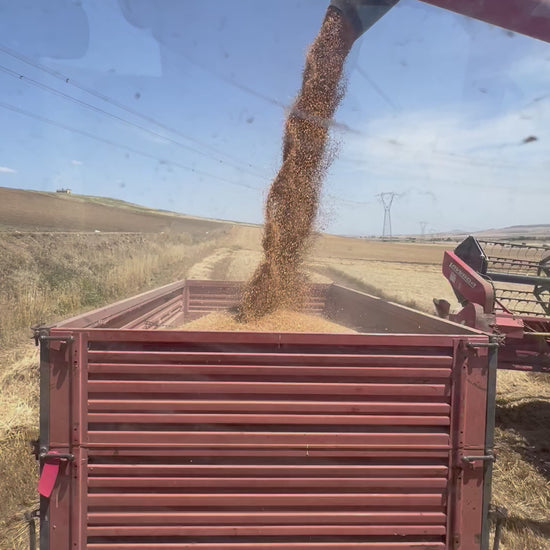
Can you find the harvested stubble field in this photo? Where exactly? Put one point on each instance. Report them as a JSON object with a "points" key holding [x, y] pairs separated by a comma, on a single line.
{"points": [[48, 276], [22, 210]]}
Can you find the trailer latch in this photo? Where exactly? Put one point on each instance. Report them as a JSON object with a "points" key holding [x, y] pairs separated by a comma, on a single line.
{"points": [[50, 470], [40, 334], [489, 457]]}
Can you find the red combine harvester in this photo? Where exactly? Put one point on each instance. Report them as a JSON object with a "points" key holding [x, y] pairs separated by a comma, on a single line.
{"points": [[504, 288]]}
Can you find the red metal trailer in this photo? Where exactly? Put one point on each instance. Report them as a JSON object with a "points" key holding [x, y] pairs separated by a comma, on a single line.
{"points": [[167, 439]]}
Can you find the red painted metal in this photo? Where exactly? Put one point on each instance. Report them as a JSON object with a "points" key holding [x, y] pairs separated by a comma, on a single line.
{"points": [[349, 420], [318, 452], [257, 482], [272, 470], [248, 530], [207, 296], [272, 546], [469, 284], [487, 305], [529, 17], [268, 441], [48, 476], [267, 388], [249, 406], [310, 517]]}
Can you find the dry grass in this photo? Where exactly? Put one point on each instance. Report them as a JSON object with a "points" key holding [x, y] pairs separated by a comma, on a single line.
{"points": [[342, 248], [19, 383], [408, 284], [524, 491], [522, 471], [18, 471], [45, 277]]}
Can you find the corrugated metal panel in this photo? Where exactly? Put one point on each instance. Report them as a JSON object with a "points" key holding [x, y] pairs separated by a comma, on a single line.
{"points": [[203, 297], [268, 441], [124, 313], [289, 445], [183, 301]]}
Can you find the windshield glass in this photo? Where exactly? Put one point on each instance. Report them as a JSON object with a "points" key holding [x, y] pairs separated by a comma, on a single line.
{"points": [[352, 167]]}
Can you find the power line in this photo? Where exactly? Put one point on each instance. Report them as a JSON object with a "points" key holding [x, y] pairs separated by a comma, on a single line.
{"points": [[389, 170], [441, 156], [377, 88], [67, 80], [51, 122], [264, 97], [138, 152], [94, 108], [348, 202]]}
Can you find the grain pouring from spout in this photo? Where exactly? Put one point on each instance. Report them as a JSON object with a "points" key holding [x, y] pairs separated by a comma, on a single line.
{"points": [[293, 200]]}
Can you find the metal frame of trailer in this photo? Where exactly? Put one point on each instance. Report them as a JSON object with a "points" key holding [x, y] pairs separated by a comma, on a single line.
{"points": [[158, 438]]}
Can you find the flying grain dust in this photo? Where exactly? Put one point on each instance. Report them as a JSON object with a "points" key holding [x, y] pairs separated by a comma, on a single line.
{"points": [[293, 198]]}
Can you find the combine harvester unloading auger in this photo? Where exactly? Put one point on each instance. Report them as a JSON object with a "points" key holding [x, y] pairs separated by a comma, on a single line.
{"points": [[503, 288]]}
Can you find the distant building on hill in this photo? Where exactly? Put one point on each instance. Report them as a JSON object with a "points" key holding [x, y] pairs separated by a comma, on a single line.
{"points": [[65, 191]]}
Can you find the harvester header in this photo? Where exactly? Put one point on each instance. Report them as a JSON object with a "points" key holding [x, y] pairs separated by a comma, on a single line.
{"points": [[503, 288]]}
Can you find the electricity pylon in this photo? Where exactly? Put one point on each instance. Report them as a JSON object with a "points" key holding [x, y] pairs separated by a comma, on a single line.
{"points": [[387, 200]]}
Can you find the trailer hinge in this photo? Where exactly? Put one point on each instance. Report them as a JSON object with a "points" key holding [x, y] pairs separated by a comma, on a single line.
{"points": [[51, 461], [35, 448]]}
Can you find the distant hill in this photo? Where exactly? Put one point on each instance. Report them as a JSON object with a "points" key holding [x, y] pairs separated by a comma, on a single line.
{"points": [[535, 232], [541, 231], [22, 210]]}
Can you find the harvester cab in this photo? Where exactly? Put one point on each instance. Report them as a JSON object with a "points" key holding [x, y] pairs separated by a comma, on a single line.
{"points": [[503, 288]]}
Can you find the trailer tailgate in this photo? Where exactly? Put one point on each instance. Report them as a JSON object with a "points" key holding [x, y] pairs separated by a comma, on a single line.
{"points": [[226, 441]]}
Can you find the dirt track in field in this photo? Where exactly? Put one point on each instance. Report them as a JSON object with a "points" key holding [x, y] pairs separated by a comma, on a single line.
{"points": [[404, 272]]}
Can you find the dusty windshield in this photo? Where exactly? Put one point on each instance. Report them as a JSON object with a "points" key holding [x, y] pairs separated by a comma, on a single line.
{"points": [[278, 155]]}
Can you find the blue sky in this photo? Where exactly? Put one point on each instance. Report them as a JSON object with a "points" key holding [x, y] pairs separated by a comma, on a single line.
{"points": [[437, 109]]}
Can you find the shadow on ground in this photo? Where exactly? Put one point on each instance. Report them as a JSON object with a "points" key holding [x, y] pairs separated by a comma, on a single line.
{"points": [[531, 420]]}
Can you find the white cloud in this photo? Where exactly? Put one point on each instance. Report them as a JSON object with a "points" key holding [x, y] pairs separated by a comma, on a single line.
{"points": [[448, 147], [531, 66], [450, 167], [6, 170], [76, 162]]}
